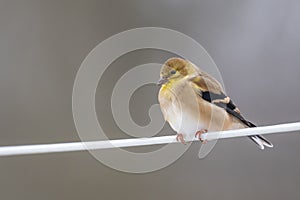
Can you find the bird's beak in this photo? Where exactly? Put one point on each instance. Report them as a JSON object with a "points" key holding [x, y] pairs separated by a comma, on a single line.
{"points": [[162, 81]]}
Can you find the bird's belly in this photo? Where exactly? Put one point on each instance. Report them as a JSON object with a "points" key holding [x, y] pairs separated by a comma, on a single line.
{"points": [[183, 121]]}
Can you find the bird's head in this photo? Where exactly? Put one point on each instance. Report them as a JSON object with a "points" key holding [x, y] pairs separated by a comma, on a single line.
{"points": [[175, 69]]}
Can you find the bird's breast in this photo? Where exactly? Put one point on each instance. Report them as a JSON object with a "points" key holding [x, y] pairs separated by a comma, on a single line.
{"points": [[179, 105]]}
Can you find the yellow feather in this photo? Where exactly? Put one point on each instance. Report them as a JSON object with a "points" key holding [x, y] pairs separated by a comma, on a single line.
{"points": [[166, 88]]}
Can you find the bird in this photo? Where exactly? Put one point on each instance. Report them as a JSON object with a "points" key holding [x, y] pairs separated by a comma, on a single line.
{"points": [[194, 102]]}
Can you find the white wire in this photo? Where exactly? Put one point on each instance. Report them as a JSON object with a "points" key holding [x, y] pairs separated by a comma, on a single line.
{"points": [[96, 145]]}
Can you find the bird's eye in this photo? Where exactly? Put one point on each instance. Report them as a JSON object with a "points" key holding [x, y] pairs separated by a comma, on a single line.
{"points": [[173, 72]]}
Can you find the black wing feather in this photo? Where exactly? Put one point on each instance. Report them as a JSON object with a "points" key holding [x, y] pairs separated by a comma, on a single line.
{"points": [[230, 108]]}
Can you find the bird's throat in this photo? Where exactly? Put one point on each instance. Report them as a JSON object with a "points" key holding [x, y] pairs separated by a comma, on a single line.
{"points": [[167, 88]]}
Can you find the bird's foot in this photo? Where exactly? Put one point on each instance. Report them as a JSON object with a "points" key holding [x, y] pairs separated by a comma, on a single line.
{"points": [[199, 133], [180, 138]]}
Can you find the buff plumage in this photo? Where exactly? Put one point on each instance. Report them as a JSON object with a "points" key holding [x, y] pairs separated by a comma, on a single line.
{"points": [[192, 101]]}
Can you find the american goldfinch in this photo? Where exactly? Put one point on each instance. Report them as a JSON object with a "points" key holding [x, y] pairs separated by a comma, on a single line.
{"points": [[192, 100]]}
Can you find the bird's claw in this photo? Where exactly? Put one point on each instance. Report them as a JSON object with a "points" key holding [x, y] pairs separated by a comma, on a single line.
{"points": [[180, 138], [198, 135]]}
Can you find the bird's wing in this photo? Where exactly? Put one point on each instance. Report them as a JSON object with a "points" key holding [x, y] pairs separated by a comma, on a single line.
{"points": [[211, 90], [206, 82]]}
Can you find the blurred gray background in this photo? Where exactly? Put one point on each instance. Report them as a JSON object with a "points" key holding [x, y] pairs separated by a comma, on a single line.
{"points": [[255, 44]]}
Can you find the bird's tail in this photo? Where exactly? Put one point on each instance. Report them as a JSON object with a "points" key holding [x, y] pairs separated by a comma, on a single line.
{"points": [[259, 140]]}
